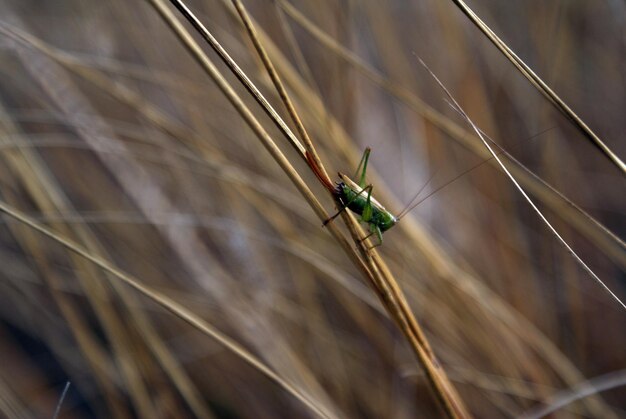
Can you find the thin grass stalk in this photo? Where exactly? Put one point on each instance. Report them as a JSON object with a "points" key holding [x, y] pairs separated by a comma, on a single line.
{"points": [[43, 192], [499, 300], [540, 85], [53, 200], [239, 73], [453, 273], [387, 287], [170, 305], [525, 195], [451, 404], [559, 203], [282, 92]]}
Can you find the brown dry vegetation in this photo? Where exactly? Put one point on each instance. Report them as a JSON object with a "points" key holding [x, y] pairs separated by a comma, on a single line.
{"points": [[116, 139]]}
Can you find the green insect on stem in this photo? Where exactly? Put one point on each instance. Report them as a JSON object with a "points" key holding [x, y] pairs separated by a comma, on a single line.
{"points": [[351, 196]]}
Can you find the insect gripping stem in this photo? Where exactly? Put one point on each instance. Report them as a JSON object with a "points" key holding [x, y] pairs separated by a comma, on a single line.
{"points": [[357, 198]]}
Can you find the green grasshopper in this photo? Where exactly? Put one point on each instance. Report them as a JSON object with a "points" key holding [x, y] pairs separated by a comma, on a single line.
{"points": [[358, 199]]}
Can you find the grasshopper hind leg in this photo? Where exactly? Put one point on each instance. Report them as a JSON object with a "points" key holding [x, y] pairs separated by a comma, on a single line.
{"points": [[374, 230], [362, 168], [379, 235]]}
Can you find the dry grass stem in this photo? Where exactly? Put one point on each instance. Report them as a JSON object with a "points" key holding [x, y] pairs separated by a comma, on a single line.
{"points": [[169, 160], [541, 85], [517, 185], [170, 305], [383, 281]]}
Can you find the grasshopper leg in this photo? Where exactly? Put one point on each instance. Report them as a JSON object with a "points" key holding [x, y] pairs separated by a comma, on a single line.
{"points": [[367, 213], [360, 174], [374, 229], [379, 234], [344, 206]]}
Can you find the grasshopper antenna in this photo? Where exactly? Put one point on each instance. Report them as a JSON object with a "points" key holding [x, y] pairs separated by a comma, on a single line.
{"points": [[411, 206], [454, 179], [522, 191]]}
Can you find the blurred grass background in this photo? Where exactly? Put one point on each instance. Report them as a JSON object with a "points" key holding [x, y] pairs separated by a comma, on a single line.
{"points": [[112, 136]]}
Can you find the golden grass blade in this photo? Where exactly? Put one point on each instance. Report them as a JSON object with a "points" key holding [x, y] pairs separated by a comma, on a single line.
{"points": [[103, 107], [454, 274], [447, 269], [540, 85], [565, 398], [52, 196], [377, 273], [521, 190], [170, 305], [280, 88], [560, 204], [245, 80]]}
